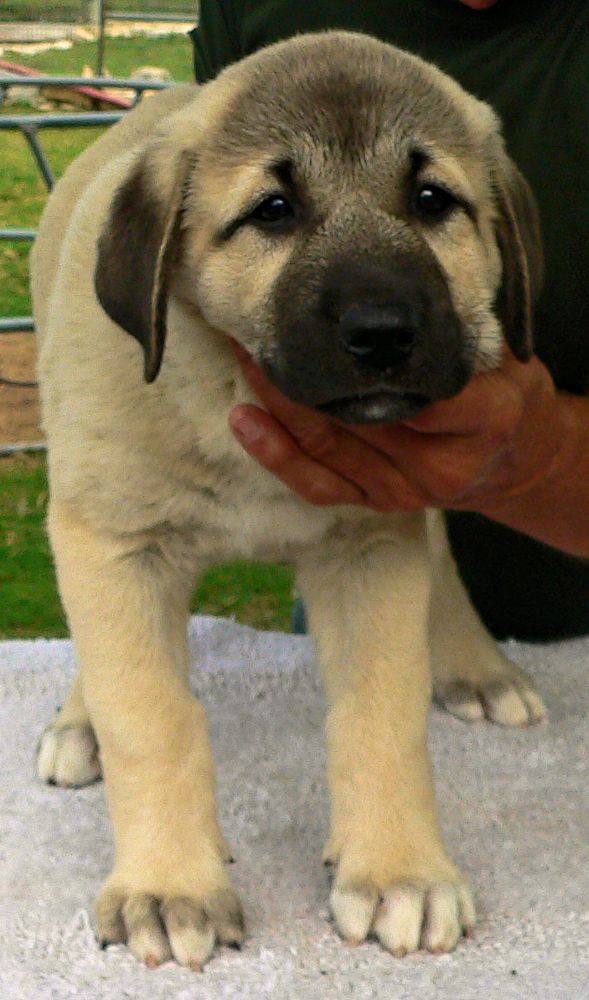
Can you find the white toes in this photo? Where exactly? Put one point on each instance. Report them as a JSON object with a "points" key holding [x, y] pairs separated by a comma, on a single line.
{"points": [[68, 756], [410, 915], [504, 704], [461, 699], [442, 927], [158, 928], [513, 702], [353, 910], [536, 708], [467, 910], [190, 933], [224, 911], [46, 755], [507, 698], [146, 937], [399, 919]]}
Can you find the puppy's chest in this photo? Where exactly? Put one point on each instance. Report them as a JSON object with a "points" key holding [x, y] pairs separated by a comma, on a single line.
{"points": [[256, 520]]}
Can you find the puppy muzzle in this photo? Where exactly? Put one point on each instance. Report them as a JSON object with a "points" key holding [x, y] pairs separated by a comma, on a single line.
{"points": [[372, 341]]}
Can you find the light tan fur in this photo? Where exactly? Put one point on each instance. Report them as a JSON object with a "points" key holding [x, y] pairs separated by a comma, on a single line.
{"points": [[148, 488]]}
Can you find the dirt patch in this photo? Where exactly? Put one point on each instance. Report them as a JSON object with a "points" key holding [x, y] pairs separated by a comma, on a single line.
{"points": [[19, 408]]}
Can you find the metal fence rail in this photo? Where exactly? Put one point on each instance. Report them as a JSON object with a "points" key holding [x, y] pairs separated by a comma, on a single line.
{"points": [[111, 83], [185, 18], [30, 125]]}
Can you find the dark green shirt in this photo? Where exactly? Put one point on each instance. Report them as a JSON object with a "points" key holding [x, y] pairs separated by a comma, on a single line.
{"points": [[530, 60]]}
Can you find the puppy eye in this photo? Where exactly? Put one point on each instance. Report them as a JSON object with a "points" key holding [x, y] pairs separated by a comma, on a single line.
{"points": [[273, 212], [433, 201]]}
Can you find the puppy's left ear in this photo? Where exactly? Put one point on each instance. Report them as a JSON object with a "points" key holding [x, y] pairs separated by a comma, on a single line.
{"points": [[137, 251], [520, 243]]}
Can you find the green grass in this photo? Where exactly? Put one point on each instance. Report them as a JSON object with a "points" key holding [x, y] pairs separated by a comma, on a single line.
{"points": [[255, 594], [27, 582], [122, 55], [22, 197]]}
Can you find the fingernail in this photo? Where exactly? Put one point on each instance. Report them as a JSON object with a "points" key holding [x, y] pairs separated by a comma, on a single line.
{"points": [[246, 428]]}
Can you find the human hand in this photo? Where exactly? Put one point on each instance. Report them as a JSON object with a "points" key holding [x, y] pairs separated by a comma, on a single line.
{"points": [[493, 441]]}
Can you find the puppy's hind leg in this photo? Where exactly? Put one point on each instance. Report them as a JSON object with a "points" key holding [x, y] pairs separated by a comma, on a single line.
{"points": [[473, 679], [67, 754]]}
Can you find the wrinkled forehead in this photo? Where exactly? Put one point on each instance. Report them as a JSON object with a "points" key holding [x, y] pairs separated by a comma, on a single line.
{"points": [[341, 100]]}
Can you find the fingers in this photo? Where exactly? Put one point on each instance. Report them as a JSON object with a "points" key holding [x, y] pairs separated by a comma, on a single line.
{"points": [[452, 455], [472, 411], [325, 465], [294, 415], [491, 400], [319, 459], [274, 448], [446, 469]]}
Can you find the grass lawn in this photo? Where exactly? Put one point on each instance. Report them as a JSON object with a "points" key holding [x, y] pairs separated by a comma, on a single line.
{"points": [[255, 594]]}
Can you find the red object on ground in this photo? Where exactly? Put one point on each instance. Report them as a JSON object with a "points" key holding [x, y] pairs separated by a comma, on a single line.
{"points": [[93, 92]]}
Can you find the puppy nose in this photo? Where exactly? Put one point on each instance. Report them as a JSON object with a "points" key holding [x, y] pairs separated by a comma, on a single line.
{"points": [[378, 336]]}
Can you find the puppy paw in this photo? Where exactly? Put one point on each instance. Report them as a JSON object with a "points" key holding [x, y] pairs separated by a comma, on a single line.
{"points": [[405, 915], [502, 693], [158, 926], [68, 755]]}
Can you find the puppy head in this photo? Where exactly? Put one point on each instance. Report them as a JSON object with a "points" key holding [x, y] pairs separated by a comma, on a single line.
{"points": [[342, 209]]}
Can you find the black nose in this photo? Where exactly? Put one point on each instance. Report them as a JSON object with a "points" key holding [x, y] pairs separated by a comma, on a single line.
{"points": [[381, 337]]}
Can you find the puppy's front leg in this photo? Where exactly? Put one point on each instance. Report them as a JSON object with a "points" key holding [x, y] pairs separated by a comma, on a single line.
{"points": [[127, 600], [367, 593]]}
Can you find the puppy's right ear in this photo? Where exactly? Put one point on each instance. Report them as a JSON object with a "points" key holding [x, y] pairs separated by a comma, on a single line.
{"points": [[520, 243], [137, 251]]}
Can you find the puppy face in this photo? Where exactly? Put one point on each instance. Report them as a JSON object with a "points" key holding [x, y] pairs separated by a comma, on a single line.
{"points": [[344, 211]]}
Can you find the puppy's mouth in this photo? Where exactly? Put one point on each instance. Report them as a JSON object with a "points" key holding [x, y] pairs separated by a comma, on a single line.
{"points": [[379, 406]]}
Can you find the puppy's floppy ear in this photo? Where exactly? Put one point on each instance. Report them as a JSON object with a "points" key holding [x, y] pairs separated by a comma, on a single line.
{"points": [[520, 243], [137, 251]]}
